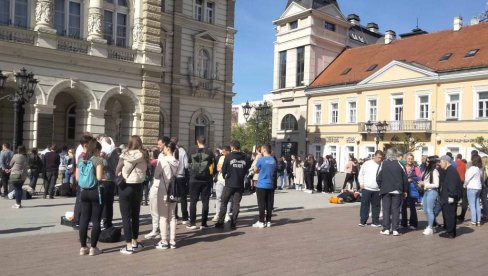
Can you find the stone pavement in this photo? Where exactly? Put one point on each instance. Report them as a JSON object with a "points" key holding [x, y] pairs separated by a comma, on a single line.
{"points": [[300, 242]]}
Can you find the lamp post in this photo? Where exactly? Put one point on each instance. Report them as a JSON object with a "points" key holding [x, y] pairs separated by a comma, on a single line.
{"points": [[380, 130], [26, 85], [261, 112]]}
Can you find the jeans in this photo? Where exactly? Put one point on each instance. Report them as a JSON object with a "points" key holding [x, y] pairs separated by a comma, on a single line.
{"points": [[107, 190], [228, 194], [67, 176], [50, 183], [18, 191], [370, 199], [265, 203], [33, 179], [474, 205], [409, 202], [199, 189], [183, 185], [391, 211], [429, 202], [145, 192], [282, 180], [90, 210], [130, 196], [4, 177], [219, 188]]}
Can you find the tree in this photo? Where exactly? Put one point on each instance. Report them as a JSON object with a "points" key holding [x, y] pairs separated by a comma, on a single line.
{"points": [[246, 134], [481, 144], [407, 145]]}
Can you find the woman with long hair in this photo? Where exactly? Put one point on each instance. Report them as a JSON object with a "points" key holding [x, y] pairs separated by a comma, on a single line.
{"points": [[299, 174], [132, 166], [414, 175], [18, 173], [91, 201], [309, 169], [430, 183], [473, 184]]}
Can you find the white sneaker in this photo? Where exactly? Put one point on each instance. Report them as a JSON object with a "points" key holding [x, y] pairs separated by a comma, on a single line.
{"points": [[428, 231], [395, 233], [258, 225], [184, 222], [191, 227], [162, 246], [16, 206], [268, 224], [152, 235], [385, 232], [309, 192], [227, 218], [215, 218], [376, 225]]}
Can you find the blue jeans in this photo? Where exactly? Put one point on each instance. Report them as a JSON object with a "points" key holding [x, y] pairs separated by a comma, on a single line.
{"points": [[282, 178], [370, 199], [219, 189], [474, 205], [429, 202], [33, 181]]}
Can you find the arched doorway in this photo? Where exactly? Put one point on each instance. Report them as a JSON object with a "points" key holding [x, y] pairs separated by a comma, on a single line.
{"points": [[119, 118], [69, 118]]}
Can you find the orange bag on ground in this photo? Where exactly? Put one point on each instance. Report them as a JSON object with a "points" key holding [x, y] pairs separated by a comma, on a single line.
{"points": [[336, 200]]}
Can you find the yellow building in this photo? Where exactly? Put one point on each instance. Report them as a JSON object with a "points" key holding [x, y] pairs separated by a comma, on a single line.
{"points": [[429, 88]]}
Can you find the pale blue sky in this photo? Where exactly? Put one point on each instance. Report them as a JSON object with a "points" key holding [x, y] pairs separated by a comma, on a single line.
{"points": [[253, 64]]}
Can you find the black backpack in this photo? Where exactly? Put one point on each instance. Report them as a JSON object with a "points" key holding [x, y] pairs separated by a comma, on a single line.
{"points": [[200, 165], [110, 235]]}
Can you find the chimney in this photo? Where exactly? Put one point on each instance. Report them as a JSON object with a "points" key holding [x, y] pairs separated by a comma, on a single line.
{"points": [[353, 19], [475, 20], [373, 27], [458, 23], [390, 36]]}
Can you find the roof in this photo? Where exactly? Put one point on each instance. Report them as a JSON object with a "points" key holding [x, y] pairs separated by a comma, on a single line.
{"points": [[313, 4], [421, 50]]}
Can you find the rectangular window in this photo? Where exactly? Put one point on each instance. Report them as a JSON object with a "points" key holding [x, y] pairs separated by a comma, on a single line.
{"points": [[108, 26], [4, 12], [122, 3], [20, 19], [454, 150], [372, 110], [74, 20], [483, 105], [370, 152], [293, 25], [330, 26], [398, 109], [425, 151], [210, 12], [317, 113], [300, 65], [318, 152], [333, 151], [59, 17], [423, 107], [452, 107], [199, 10], [282, 76], [352, 112], [121, 30], [334, 113]]}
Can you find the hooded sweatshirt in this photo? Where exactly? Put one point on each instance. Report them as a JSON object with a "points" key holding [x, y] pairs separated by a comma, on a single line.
{"points": [[166, 168], [367, 176], [133, 159], [234, 169]]}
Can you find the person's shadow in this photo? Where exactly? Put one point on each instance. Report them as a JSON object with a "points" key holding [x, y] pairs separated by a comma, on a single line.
{"points": [[20, 230], [464, 230]]}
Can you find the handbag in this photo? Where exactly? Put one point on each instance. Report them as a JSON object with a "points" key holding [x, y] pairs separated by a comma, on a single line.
{"points": [[173, 193], [120, 180]]}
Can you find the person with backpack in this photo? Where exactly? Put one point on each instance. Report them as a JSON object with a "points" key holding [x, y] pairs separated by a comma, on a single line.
{"points": [[110, 161], [219, 186], [200, 182], [18, 173], [79, 155], [266, 167], [90, 172], [35, 168], [165, 173], [132, 166]]}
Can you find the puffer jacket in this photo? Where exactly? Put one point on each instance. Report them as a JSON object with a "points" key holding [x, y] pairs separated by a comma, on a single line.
{"points": [[133, 158]]}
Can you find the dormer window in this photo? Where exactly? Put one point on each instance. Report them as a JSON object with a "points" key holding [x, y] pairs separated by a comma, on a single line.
{"points": [[471, 53], [346, 71], [330, 26], [372, 67], [446, 57], [293, 25]]}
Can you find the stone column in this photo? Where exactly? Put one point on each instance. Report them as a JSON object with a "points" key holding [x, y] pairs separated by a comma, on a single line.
{"points": [[98, 45], [45, 16]]}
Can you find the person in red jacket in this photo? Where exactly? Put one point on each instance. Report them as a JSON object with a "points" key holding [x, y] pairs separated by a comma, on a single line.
{"points": [[461, 169]]}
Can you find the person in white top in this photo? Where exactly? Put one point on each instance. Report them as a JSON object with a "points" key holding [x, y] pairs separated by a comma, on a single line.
{"points": [[430, 184], [370, 190], [472, 182]]}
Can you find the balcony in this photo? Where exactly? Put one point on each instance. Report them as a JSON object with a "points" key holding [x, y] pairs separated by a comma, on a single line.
{"points": [[17, 35], [417, 126], [72, 45], [119, 53]]}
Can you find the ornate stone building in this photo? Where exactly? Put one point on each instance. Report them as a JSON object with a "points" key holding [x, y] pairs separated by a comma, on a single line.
{"points": [[120, 67]]}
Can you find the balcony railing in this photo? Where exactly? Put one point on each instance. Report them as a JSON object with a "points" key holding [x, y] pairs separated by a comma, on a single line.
{"points": [[17, 35], [123, 54], [400, 126], [72, 45]]}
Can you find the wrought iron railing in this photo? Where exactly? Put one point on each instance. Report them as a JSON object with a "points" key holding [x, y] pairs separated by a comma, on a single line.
{"points": [[400, 126]]}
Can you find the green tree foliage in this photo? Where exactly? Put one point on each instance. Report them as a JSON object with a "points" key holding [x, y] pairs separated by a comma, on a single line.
{"points": [[246, 133], [405, 145], [481, 144]]}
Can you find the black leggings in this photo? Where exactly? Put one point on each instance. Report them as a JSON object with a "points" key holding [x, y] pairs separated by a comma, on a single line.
{"points": [[107, 189], [130, 196], [350, 178], [265, 203], [309, 181], [91, 209]]}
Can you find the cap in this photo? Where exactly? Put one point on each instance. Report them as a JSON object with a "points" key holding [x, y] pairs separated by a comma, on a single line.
{"points": [[446, 158]]}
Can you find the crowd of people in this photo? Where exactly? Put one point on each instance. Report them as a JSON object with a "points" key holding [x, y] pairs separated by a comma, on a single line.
{"points": [[395, 183]]}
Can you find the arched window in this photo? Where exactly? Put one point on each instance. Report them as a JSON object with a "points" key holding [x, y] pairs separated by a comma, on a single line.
{"points": [[115, 18], [201, 125], [71, 123], [67, 17], [204, 64], [14, 12], [289, 122]]}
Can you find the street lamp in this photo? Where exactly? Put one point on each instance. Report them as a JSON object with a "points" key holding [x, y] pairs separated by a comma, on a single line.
{"points": [[380, 130], [26, 85], [261, 113]]}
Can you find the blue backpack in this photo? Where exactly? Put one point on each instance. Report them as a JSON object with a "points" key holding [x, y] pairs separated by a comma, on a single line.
{"points": [[86, 175]]}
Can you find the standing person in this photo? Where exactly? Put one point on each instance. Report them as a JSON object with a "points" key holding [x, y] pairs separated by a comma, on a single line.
{"points": [[200, 182], [5, 156], [309, 170], [423, 163], [52, 161], [90, 172], [370, 190], [393, 184], [349, 176], [451, 192], [110, 161], [18, 173], [473, 184], [35, 167], [332, 173], [132, 166], [182, 180], [69, 168], [291, 172], [63, 163], [281, 170], [236, 164], [329, 185], [79, 154], [255, 176], [219, 186], [166, 169], [299, 174], [430, 183], [355, 172], [414, 176], [321, 169], [461, 169], [265, 190], [484, 211]]}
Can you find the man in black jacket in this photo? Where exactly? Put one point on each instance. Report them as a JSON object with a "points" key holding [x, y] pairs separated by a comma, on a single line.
{"points": [[450, 193], [235, 167], [393, 182]]}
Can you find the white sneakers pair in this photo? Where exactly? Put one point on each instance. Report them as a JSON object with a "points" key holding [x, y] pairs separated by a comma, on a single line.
{"points": [[387, 233], [92, 251], [262, 224]]}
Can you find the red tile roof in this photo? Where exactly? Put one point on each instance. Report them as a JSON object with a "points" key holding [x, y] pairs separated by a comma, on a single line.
{"points": [[425, 50]]}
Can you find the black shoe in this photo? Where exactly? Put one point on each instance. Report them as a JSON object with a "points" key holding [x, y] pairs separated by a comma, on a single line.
{"points": [[51, 197], [233, 225], [447, 236], [219, 225], [76, 227]]}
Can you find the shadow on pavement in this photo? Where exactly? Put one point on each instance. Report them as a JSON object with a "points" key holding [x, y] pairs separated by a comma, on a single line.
{"points": [[464, 230], [288, 209], [19, 230], [48, 205]]}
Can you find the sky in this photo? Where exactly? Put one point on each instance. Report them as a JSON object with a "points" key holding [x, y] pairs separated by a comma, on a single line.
{"points": [[253, 52]]}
